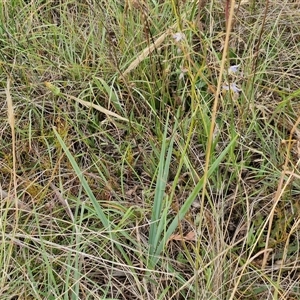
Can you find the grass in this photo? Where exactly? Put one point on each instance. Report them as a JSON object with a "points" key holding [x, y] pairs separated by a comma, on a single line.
{"points": [[134, 164]]}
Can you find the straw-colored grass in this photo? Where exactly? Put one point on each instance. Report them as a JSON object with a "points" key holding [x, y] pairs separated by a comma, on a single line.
{"points": [[150, 149]]}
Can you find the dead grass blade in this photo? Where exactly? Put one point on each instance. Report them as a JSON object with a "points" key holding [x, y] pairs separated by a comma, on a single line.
{"points": [[280, 189], [63, 201], [97, 107], [11, 121], [144, 54], [4, 196], [10, 109]]}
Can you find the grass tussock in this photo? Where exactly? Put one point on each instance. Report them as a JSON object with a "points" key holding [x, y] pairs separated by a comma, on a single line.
{"points": [[149, 149]]}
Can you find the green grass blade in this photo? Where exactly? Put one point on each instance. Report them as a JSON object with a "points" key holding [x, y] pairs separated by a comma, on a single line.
{"points": [[83, 181], [186, 206], [162, 178]]}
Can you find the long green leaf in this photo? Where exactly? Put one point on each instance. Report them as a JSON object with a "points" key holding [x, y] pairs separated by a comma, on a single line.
{"points": [[83, 181], [186, 206], [162, 178]]}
